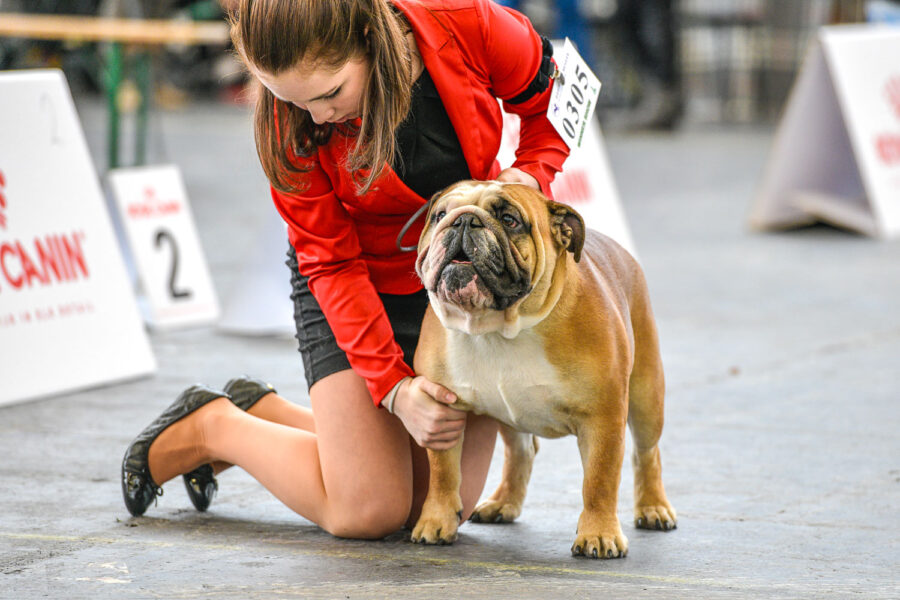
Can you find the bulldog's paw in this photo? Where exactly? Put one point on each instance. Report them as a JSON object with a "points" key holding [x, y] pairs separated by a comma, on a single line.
{"points": [[611, 544], [660, 517], [436, 527], [496, 511]]}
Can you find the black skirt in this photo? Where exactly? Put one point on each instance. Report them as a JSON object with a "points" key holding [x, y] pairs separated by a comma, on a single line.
{"points": [[317, 345]]}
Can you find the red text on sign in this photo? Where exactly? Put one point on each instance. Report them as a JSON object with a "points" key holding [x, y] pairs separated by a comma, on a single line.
{"points": [[888, 148], [2, 201], [156, 209], [54, 258]]}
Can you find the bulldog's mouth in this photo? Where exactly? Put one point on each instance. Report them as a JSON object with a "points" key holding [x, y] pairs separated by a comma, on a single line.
{"points": [[471, 265], [461, 258]]}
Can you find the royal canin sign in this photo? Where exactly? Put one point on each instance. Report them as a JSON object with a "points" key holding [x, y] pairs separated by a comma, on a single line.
{"points": [[41, 261]]}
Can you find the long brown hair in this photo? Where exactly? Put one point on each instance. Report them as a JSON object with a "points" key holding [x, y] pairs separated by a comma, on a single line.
{"points": [[276, 35]]}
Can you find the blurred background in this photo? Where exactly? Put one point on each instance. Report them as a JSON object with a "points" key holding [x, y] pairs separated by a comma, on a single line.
{"points": [[663, 63]]}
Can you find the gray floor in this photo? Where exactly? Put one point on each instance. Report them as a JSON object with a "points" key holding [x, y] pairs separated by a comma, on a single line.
{"points": [[781, 451]]}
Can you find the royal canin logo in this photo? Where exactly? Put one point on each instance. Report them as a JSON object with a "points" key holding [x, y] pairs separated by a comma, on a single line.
{"points": [[151, 205], [45, 260], [2, 201], [892, 92]]}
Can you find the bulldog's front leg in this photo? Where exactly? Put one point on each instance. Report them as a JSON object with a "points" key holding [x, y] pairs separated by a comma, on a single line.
{"points": [[442, 510], [602, 446]]}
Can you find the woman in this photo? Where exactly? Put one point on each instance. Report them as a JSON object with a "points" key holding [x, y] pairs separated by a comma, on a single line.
{"points": [[367, 107]]}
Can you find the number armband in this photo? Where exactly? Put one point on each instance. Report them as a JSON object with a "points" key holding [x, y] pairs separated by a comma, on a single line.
{"points": [[541, 79]]}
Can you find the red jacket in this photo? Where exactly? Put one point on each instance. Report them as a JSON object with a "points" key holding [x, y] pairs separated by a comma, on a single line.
{"points": [[475, 51]]}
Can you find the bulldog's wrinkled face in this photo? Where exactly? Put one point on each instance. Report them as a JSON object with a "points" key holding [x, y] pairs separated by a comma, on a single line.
{"points": [[477, 250], [489, 253]]}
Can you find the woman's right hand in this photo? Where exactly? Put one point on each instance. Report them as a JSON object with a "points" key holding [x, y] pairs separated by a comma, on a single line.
{"points": [[425, 408]]}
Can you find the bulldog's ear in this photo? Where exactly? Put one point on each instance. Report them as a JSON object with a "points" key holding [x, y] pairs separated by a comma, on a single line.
{"points": [[567, 227], [434, 198], [430, 204]]}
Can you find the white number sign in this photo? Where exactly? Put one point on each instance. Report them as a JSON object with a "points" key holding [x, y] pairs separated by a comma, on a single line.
{"points": [[154, 208], [574, 96]]}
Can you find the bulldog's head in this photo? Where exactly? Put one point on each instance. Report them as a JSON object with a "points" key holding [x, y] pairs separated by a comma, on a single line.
{"points": [[489, 252]]}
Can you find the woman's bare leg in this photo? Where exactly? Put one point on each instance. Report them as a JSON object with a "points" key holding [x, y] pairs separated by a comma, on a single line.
{"points": [[276, 409], [354, 477]]}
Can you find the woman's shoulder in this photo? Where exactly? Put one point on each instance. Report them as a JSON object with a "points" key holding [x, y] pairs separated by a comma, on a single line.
{"points": [[451, 8], [434, 20]]}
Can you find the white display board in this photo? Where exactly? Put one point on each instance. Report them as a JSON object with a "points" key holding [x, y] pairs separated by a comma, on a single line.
{"points": [[156, 215], [68, 318], [260, 303], [836, 155]]}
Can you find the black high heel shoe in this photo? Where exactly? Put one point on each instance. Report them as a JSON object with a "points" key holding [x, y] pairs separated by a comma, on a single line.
{"points": [[201, 484], [138, 488]]}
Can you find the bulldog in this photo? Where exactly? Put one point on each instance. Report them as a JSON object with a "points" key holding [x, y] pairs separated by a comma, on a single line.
{"points": [[545, 326]]}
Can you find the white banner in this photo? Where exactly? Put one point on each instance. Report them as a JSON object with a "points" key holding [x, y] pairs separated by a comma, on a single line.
{"points": [[836, 155], [260, 303], [68, 318]]}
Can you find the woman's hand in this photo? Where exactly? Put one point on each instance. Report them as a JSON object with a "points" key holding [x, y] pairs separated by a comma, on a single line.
{"points": [[423, 407], [514, 175]]}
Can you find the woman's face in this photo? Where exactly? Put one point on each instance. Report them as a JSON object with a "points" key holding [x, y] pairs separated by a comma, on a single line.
{"points": [[330, 96]]}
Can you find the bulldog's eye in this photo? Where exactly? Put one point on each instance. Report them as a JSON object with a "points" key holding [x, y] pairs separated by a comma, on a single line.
{"points": [[510, 221], [439, 215]]}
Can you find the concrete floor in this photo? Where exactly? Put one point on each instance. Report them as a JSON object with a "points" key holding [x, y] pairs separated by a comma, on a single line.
{"points": [[781, 451]]}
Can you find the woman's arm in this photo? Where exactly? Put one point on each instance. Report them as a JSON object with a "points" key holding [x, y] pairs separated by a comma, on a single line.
{"points": [[328, 252], [513, 52]]}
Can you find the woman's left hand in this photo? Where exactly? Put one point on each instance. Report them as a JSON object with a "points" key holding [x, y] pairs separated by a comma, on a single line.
{"points": [[514, 175]]}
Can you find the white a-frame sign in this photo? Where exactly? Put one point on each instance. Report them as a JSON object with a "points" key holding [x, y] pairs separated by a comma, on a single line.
{"points": [[836, 155], [68, 319]]}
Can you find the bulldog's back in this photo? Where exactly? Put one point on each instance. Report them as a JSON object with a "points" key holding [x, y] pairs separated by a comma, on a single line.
{"points": [[610, 269]]}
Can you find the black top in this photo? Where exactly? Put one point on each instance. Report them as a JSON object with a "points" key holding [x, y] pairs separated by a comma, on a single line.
{"points": [[429, 156]]}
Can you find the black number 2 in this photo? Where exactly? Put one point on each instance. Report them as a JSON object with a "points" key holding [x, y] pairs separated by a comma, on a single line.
{"points": [[163, 234]]}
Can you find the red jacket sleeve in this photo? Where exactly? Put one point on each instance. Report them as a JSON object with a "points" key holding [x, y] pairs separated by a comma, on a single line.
{"points": [[513, 52], [328, 252]]}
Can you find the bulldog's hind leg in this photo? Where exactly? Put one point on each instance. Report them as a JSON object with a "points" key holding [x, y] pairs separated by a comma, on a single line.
{"points": [[645, 419], [505, 504]]}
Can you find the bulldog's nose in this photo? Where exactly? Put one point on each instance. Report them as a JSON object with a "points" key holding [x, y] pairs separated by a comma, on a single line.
{"points": [[468, 221]]}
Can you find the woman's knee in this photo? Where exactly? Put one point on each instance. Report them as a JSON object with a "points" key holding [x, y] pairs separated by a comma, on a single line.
{"points": [[368, 519]]}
